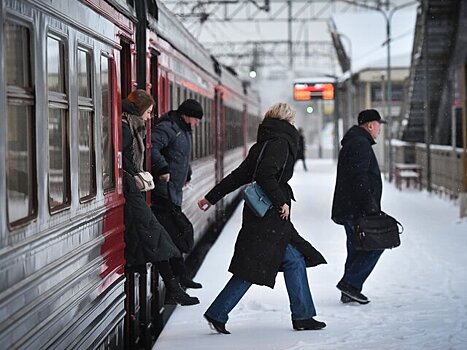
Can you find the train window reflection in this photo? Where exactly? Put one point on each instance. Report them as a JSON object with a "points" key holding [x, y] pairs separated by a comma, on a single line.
{"points": [[108, 174], [58, 125], [58, 158], [87, 177], [55, 65], [20, 121]]}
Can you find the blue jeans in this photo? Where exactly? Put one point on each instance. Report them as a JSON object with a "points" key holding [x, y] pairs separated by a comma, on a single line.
{"points": [[359, 263], [296, 281]]}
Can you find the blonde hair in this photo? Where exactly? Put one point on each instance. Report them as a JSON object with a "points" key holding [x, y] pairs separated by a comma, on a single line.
{"points": [[281, 111]]}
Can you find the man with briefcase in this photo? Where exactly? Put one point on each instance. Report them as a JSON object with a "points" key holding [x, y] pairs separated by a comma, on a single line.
{"points": [[357, 194]]}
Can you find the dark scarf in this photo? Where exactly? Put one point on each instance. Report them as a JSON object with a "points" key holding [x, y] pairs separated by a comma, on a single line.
{"points": [[138, 129]]}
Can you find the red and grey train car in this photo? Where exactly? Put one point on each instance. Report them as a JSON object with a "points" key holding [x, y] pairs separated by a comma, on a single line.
{"points": [[65, 67]]}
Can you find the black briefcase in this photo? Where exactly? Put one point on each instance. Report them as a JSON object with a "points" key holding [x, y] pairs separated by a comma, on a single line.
{"points": [[376, 232]]}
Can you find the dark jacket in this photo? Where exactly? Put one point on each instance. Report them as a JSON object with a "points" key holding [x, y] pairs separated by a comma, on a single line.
{"points": [[358, 184], [127, 147], [145, 239], [261, 242], [171, 153]]}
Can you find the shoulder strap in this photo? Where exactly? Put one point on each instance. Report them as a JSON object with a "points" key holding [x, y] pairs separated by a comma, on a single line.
{"points": [[259, 159]]}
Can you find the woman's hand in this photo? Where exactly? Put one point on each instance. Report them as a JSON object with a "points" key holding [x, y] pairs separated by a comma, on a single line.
{"points": [[204, 204], [285, 212]]}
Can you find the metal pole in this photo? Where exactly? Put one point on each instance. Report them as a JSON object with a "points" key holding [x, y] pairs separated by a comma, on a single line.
{"points": [[289, 22], [389, 95], [427, 106], [336, 121]]}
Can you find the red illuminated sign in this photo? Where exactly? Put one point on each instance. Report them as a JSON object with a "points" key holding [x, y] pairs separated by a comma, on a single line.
{"points": [[308, 91]]}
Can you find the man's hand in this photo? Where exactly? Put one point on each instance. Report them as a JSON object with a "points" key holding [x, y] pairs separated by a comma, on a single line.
{"points": [[204, 204], [285, 212], [164, 177]]}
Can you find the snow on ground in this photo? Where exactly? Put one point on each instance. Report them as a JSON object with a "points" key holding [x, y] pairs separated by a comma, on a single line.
{"points": [[418, 291]]}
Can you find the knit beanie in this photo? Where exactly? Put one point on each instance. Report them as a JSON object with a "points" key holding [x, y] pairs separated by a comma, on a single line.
{"points": [[191, 108]]}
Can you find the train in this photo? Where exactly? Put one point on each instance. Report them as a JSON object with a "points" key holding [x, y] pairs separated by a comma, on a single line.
{"points": [[66, 65]]}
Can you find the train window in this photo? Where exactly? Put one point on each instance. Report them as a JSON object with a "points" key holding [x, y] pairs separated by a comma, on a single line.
{"points": [[179, 102], [87, 166], [58, 125], [171, 99], [154, 85], [152, 9], [20, 121], [125, 67], [108, 173]]}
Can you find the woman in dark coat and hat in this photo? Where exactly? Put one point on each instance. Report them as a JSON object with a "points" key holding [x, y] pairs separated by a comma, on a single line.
{"points": [[146, 240], [269, 244]]}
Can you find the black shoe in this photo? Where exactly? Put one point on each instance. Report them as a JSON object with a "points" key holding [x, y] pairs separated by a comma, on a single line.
{"points": [[188, 283], [309, 324], [345, 299], [217, 326], [352, 293], [176, 295]]}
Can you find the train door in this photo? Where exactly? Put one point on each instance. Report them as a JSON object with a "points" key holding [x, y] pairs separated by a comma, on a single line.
{"points": [[157, 302], [134, 336]]}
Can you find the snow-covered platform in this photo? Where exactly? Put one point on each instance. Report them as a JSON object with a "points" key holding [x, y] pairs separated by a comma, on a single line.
{"points": [[418, 291]]}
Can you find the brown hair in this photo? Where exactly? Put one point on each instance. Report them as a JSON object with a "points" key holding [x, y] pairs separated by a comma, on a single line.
{"points": [[141, 100]]}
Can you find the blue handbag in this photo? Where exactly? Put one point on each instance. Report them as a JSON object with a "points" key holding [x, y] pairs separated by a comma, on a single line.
{"points": [[253, 194], [256, 199]]}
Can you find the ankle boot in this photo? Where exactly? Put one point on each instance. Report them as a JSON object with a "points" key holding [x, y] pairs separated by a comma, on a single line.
{"points": [[308, 324], [188, 283], [176, 295]]}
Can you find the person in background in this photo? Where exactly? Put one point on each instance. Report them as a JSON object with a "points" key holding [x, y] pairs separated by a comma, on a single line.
{"points": [[171, 166], [146, 240], [301, 148], [269, 244], [357, 193]]}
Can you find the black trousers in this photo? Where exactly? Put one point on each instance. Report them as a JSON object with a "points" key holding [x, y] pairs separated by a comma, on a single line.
{"points": [[161, 210]]}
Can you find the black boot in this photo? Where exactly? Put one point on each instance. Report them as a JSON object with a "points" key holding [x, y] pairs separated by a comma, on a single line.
{"points": [[217, 326], [176, 295], [308, 324], [188, 283]]}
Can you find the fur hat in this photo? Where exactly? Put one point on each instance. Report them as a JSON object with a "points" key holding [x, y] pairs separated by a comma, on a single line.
{"points": [[191, 108]]}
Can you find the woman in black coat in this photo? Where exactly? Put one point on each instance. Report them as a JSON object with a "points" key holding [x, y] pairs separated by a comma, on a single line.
{"points": [[146, 240], [269, 244]]}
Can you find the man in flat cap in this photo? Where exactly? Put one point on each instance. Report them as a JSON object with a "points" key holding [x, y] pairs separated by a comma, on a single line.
{"points": [[358, 192], [171, 140]]}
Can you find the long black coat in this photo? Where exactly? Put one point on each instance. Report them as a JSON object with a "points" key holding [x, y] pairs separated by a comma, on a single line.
{"points": [[146, 240], [358, 184], [261, 242]]}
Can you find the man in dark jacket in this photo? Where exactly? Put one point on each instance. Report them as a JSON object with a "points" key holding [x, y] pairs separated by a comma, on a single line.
{"points": [[171, 167], [357, 193]]}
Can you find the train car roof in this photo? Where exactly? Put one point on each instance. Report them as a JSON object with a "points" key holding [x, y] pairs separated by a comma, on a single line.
{"points": [[175, 33]]}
